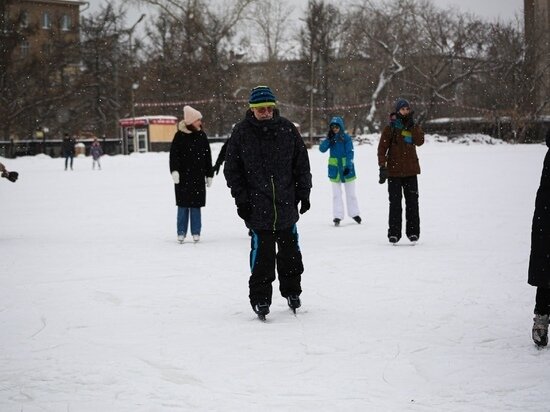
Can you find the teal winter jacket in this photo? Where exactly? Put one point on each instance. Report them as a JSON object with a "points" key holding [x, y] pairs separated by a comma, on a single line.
{"points": [[341, 153]]}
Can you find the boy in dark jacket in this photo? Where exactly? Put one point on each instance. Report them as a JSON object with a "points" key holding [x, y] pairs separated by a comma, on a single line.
{"points": [[267, 169], [539, 260]]}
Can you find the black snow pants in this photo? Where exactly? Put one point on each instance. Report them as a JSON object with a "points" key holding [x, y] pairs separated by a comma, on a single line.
{"points": [[397, 187], [264, 258], [542, 301]]}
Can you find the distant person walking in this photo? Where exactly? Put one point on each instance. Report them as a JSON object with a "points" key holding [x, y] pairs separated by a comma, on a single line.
{"points": [[539, 259], [68, 150], [341, 170], [399, 164], [191, 169], [96, 152]]}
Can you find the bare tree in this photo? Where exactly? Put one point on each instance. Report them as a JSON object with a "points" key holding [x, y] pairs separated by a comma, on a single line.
{"points": [[385, 34], [319, 38], [106, 72], [453, 50], [271, 19], [208, 33], [522, 74]]}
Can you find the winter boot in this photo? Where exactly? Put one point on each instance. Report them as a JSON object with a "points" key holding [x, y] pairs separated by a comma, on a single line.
{"points": [[293, 302], [540, 329], [336, 221], [357, 219], [261, 309]]}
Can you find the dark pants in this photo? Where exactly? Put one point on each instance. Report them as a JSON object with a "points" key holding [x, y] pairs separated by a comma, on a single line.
{"points": [[263, 259], [67, 157], [397, 187], [542, 301]]}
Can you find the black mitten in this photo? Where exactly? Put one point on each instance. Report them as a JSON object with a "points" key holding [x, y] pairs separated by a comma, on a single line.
{"points": [[383, 175], [11, 176], [346, 171], [304, 206], [409, 121]]}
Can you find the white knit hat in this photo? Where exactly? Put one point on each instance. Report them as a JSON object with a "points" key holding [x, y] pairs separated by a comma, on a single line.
{"points": [[190, 115]]}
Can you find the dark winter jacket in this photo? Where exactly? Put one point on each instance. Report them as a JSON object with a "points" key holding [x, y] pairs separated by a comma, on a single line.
{"points": [[267, 167], [539, 261], [397, 149], [67, 147], [190, 155]]}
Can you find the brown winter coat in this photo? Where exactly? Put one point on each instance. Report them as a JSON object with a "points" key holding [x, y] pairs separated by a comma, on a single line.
{"points": [[398, 156]]}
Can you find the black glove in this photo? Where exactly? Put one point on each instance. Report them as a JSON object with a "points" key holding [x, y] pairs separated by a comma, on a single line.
{"points": [[304, 206], [11, 176], [383, 175], [216, 168], [408, 121], [244, 210], [346, 171]]}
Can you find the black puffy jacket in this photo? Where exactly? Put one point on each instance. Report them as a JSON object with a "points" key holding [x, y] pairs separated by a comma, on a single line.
{"points": [[267, 166]]}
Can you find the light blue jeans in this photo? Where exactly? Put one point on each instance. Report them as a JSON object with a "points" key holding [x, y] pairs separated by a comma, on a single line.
{"points": [[184, 215]]}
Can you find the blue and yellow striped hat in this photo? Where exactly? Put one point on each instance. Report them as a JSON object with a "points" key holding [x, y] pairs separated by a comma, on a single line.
{"points": [[261, 96]]}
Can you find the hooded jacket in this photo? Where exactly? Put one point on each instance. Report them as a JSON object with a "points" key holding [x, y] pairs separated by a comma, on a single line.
{"points": [[341, 153], [267, 166]]}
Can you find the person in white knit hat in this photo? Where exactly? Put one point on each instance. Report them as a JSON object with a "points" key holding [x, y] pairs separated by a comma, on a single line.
{"points": [[191, 169]]}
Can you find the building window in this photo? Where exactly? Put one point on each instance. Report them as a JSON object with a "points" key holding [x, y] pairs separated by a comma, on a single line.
{"points": [[66, 22], [47, 48], [46, 21], [24, 19], [24, 48]]}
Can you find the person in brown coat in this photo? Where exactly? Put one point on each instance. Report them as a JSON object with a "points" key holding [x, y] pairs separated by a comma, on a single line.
{"points": [[399, 165]]}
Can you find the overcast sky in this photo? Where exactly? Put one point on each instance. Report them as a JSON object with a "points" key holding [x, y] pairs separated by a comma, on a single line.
{"points": [[491, 10]]}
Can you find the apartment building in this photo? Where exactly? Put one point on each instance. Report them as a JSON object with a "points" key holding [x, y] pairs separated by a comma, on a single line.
{"points": [[43, 23]]}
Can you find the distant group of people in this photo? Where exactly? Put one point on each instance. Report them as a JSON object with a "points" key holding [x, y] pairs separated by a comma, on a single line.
{"points": [[68, 151], [268, 172]]}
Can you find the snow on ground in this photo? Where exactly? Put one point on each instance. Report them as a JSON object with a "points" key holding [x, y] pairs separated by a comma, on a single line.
{"points": [[102, 310]]}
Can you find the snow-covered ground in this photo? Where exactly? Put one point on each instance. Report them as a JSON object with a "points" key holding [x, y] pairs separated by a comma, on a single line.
{"points": [[102, 310]]}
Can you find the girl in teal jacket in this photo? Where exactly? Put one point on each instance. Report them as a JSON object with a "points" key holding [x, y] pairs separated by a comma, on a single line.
{"points": [[341, 170]]}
